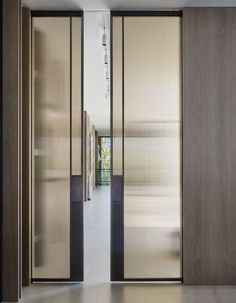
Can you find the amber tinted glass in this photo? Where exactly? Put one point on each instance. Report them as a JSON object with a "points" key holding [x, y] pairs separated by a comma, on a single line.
{"points": [[117, 95], [51, 147], [152, 150], [76, 95]]}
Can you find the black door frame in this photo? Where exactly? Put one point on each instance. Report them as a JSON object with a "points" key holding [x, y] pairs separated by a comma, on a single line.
{"points": [[1, 149], [117, 181], [76, 181]]}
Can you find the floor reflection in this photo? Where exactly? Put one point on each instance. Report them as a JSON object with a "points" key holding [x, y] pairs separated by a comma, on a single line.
{"points": [[98, 289], [128, 293]]}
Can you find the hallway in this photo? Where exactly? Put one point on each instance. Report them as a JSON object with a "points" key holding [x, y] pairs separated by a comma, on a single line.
{"points": [[97, 237], [97, 287]]}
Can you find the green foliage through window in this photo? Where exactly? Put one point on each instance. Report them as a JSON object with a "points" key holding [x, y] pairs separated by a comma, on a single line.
{"points": [[104, 158]]}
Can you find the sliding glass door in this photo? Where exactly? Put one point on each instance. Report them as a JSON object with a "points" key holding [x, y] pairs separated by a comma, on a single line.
{"points": [[146, 147], [57, 202]]}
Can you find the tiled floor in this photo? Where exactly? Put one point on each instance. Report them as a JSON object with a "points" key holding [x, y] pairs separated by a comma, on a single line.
{"points": [[97, 287]]}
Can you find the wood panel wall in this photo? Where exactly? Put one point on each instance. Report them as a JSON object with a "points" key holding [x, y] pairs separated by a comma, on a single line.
{"points": [[11, 149], [209, 146], [26, 146]]}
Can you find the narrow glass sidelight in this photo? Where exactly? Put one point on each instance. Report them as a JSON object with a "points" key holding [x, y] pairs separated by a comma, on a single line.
{"points": [[76, 97], [150, 90], [51, 147], [56, 147], [117, 104]]}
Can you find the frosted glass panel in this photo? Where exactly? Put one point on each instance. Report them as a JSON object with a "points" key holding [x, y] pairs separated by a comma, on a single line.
{"points": [[117, 95], [76, 96], [51, 147], [152, 150]]}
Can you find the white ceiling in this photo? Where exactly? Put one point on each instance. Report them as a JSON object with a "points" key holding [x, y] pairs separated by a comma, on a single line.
{"points": [[123, 4]]}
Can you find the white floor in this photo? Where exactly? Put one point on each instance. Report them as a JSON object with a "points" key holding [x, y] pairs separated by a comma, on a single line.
{"points": [[98, 289], [97, 237]]}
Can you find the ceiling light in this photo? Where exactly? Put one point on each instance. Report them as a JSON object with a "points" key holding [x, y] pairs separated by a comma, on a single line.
{"points": [[104, 38], [106, 57]]}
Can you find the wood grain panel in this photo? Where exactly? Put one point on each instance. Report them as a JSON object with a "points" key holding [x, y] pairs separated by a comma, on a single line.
{"points": [[11, 151], [26, 147], [209, 146]]}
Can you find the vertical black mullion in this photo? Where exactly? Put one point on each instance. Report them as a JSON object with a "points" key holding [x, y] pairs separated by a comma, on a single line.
{"points": [[123, 97], [20, 151], [82, 92], [70, 96], [81, 184], [100, 162], [111, 134], [111, 91], [123, 138], [83, 155], [77, 229], [1, 87], [71, 208], [182, 144], [32, 134]]}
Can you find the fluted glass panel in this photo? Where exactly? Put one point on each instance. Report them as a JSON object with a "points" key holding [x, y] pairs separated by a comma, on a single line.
{"points": [[117, 95], [152, 149], [76, 95], [51, 147]]}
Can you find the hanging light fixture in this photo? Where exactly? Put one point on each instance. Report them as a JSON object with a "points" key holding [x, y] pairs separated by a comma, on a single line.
{"points": [[104, 36], [106, 57], [107, 74]]}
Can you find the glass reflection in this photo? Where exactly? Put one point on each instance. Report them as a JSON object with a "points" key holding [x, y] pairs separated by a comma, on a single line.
{"points": [[152, 197], [76, 96], [117, 96], [51, 147]]}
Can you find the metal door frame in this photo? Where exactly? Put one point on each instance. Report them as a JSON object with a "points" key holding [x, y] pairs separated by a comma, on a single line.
{"points": [[117, 181], [76, 181]]}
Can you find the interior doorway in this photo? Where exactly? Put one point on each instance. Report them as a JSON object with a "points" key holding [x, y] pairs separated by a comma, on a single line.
{"points": [[97, 107]]}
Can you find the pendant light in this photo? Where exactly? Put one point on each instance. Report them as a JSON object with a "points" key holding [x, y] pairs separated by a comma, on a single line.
{"points": [[106, 57]]}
